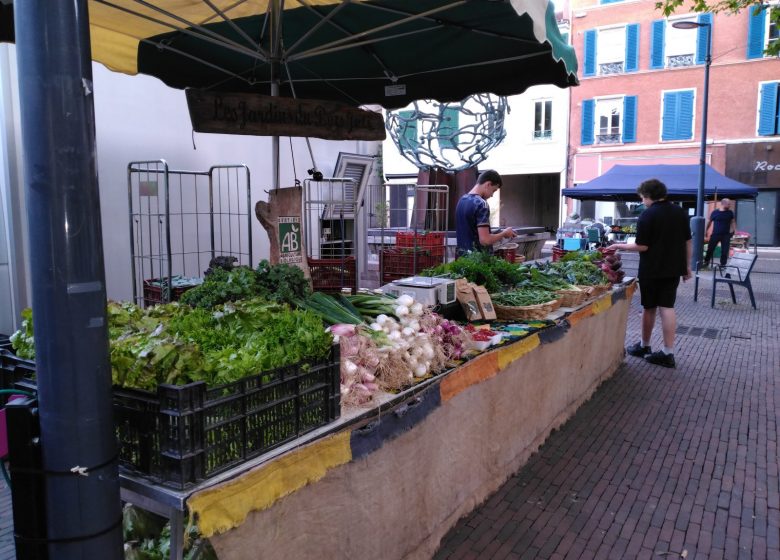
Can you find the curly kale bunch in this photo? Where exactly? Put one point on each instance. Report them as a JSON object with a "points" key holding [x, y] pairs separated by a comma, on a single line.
{"points": [[282, 283], [223, 262], [222, 286]]}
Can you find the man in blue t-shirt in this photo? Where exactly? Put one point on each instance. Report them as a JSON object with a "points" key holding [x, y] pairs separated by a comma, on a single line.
{"points": [[472, 216], [720, 229]]}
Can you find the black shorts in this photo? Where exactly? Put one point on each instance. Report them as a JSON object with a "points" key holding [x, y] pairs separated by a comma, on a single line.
{"points": [[658, 292]]}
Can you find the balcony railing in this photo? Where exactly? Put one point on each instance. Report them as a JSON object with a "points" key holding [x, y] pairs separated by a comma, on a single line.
{"points": [[679, 60], [608, 138], [610, 68], [542, 134]]}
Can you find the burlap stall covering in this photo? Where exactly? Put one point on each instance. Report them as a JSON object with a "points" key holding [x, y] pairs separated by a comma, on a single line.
{"points": [[287, 202], [399, 501]]}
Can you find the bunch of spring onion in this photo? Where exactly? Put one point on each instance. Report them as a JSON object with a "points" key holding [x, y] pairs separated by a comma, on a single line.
{"points": [[395, 350]]}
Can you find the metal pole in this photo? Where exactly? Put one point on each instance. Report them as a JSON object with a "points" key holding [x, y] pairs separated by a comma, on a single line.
{"points": [[79, 451], [697, 222]]}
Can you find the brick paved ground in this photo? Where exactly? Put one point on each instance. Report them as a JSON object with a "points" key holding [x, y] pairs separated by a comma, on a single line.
{"points": [[659, 463]]}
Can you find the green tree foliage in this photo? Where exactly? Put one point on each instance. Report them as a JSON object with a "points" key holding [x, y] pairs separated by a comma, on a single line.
{"points": [[668, 7]]}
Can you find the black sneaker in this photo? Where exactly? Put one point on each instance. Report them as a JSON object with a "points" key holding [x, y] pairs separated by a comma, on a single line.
{"points": [[661, 358], [638, 350]]}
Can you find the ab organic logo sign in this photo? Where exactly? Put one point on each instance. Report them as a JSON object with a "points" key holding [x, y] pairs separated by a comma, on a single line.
{"points": [[290, 239]]}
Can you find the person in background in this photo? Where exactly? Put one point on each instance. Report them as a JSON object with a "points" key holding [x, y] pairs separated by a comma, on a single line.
{"points": [[472, 216], [663, 240], [720, 230]]}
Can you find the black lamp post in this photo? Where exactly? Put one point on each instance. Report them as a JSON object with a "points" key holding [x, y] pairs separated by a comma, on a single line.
{"points": [[697, 222]]}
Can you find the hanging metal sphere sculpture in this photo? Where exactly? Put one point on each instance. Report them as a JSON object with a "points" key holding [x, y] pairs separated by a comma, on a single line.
{"points": [[450, 136]]}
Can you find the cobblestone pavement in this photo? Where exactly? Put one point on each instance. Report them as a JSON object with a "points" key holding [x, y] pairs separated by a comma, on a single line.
{"points": [[659, 463]]}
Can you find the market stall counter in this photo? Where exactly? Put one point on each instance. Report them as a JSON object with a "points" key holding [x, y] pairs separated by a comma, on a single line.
{"points": [[391, 481]]}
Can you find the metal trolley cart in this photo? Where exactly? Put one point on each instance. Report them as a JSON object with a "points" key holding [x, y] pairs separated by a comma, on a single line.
{"points": [[180, 220]]}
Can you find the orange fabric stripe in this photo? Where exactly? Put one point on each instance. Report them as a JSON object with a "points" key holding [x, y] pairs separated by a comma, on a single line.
{"points": [[473, 372]]}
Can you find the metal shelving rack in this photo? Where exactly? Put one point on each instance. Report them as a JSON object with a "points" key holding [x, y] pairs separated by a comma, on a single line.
{"points": [[180, 220], [330, 213], [427, 213]]}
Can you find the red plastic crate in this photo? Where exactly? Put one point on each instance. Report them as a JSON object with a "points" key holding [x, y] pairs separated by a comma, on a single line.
{"points": [[432, 241], [400, 263], [331, 275], [153, 292], [557, 253]]}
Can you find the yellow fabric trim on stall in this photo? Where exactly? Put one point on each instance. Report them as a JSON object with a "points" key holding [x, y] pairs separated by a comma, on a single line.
{"points": [[517, 350], [576, 316], [116, 31], [226, 506], [475, 371], [601, 305]]}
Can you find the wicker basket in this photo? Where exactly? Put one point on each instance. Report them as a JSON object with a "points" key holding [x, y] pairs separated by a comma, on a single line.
{"points": [[539, 311], [594, 291], [571, 297]]}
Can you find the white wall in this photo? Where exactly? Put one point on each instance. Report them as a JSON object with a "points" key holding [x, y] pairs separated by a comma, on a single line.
{"points": [[139, 118]]}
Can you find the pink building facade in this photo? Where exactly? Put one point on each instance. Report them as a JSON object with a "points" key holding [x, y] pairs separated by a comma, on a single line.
{"points": [[641, 96]]}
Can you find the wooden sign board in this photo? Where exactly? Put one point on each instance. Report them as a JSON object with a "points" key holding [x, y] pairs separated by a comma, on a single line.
{"points": [[263, 115]]}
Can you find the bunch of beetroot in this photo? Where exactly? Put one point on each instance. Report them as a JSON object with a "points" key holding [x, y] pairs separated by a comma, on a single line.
{"points": [[611, 264]]}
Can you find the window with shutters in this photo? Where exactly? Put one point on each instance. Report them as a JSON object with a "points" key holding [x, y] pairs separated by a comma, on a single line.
{"points": [[608, 120], [543, 119], [677, 115], [769, 109], [680, 47], [611, 50], [671, 47]]}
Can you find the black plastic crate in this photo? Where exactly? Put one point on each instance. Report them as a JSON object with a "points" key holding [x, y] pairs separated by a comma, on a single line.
{"points": [[186, 433], [197, 432], [14, 369]]}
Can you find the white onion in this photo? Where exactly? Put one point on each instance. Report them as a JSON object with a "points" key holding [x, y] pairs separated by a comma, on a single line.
{"points": [[407, 332], [350, 366], [405, 300], [401, 310], [416, 309], [382, 319], [376, 327], [420, 371]]}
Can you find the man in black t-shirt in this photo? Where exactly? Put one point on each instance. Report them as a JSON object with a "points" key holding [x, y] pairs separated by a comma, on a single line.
{"points": [[720, 229], [663, 240]]}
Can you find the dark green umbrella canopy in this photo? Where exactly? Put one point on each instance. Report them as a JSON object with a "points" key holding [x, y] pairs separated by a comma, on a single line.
{"points": [[351, 52], [386, 52]]}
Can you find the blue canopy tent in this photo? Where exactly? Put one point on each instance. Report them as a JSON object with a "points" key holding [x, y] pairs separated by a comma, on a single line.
{"points": [[620, 183]]}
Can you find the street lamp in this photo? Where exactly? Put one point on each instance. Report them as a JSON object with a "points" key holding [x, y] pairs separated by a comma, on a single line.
{"points": [[697, 222]]}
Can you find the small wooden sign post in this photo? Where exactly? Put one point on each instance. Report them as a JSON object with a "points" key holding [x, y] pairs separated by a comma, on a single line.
{"points": [[263, 115]]}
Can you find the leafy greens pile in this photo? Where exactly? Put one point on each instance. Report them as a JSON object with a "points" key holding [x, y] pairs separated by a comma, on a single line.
{"points": [[176, 344], [481, 268], [223, 283]]}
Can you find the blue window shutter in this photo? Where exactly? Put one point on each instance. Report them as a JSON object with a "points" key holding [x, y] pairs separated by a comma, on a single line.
{"points": [[632, 47], [670, 116], [767, 110], [685, 116], [657, 43], [702, 38], [407, 132], [629, 118], [588, 106], [756, 24], [448, 126], [590, 53]]}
